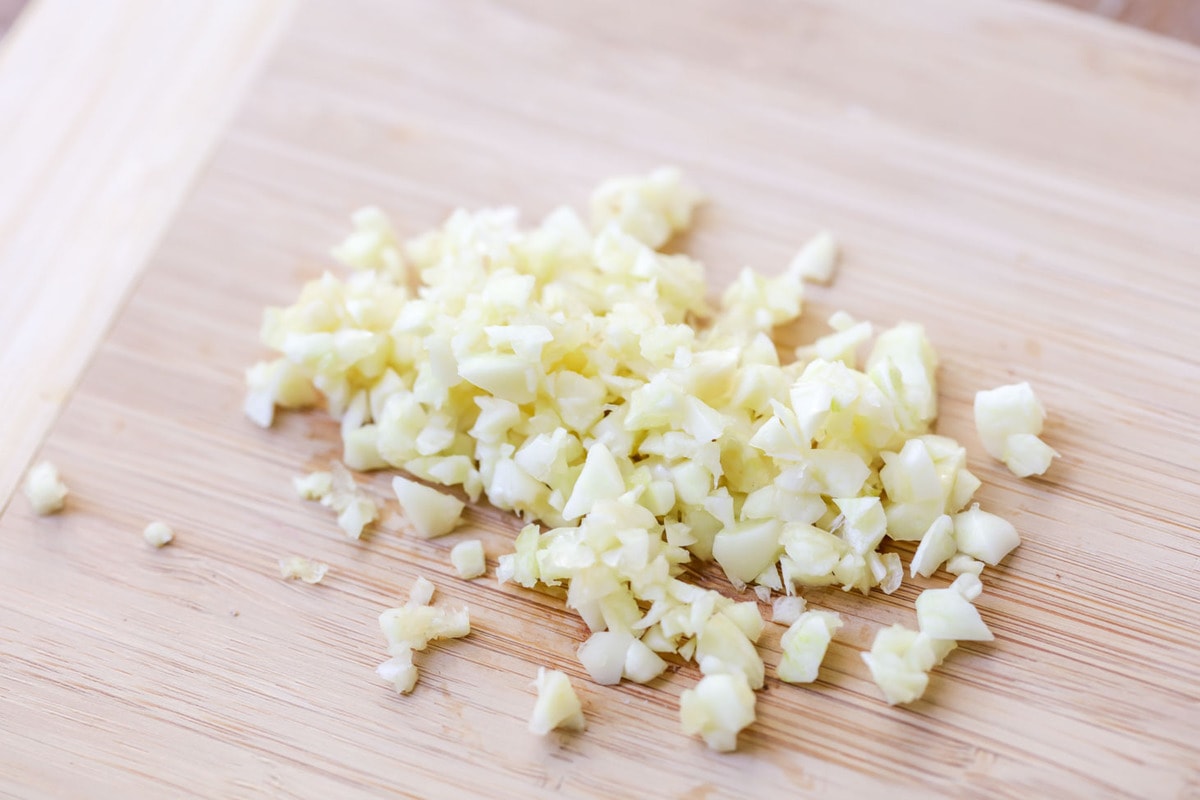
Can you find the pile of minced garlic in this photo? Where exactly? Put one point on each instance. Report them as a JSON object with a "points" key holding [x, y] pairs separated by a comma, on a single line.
{"points": [[578, 375]]}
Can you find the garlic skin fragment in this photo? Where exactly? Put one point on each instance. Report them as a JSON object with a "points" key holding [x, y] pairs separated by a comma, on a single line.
{"points": [[44, 489], [717, 709], [157, 534], [557, 705], [468, 559], [432, 513], [302, 568]]}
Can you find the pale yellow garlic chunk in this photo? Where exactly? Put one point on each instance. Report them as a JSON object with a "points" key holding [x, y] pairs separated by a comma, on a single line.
{"points": [[557, 705], [158, 534], [468, 559], [432, 513], [303, 569], [44, 489], [651, 208], [817, 259], [900, 660], [1009, 420], [804, 645], [717, 710]]}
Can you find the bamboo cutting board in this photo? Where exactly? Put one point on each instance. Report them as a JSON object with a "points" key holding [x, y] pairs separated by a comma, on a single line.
{"points": [[1020, 179]]}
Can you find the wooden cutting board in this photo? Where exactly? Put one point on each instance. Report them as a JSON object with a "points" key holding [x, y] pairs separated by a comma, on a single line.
{"points": [[1019, 178]]}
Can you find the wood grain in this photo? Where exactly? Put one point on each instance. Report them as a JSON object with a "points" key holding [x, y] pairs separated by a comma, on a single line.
{"points": [[1179, 19], [931, 137], [9, 9], [110, 109]]}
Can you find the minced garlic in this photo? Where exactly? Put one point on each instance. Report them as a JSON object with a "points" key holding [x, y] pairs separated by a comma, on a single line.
{"points": [[302, 568], [44, 489], [468, 559], [158, 534], [578, 375]]}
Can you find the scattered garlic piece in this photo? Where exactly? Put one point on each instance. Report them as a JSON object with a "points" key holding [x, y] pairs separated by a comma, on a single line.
{"points": [[44, 489], [557, 705], [1009, 420], [337, 490], [415, 626], [603, 655], [468, 559], [642, 664], [357, 514], [314, 486], [900, 660], [841, 345], [651, 208], [600, 479], [609, 656], [717, 709], [276, 383], [817, 259], [354, 509], [804, 645], [399, 670], [968, 585], [372, 245], [302, 568], [984, 536], [949, 614], [411, 628], [937, 545], [961, 564], [786, 610], [158, 534], [421, 593], [432, 513]]}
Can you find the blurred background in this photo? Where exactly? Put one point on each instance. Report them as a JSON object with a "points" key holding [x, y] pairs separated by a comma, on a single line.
{"points": [[1179, 19]]}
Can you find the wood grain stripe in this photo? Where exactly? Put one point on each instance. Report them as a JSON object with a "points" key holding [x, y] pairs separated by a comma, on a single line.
{"points": [[110, 109]]}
